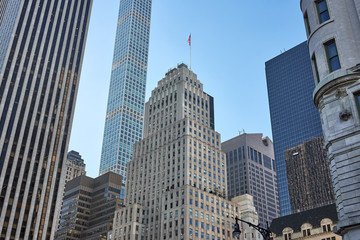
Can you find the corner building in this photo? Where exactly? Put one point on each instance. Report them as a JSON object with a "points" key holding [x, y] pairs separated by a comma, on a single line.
{"points": [[41, 50], [176, 183], [333, 31]]}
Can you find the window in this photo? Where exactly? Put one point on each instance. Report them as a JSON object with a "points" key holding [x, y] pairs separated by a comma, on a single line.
{"points": [[332, 56], [306, 232], [287, 236], [307, 24], [316, 70], [323, 12], [357, 100]]}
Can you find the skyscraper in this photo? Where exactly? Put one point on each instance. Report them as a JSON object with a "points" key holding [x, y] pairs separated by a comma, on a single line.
{"points": [[333, 30], [251, 169], [294, 119], [125, 108], [75, 166], [177, 178], [308, 174], [89, 207], [39, 79]]}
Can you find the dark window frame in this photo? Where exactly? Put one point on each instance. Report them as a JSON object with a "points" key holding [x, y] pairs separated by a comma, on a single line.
{"points": [[323, 14], [317, 76], [330, 57], [357, 100], [307, 24]]}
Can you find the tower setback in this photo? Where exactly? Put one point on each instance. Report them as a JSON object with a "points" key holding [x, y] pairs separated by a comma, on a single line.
{"points": [[176, 187]]}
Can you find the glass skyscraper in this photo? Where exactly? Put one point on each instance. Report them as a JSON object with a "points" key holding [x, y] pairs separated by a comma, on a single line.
{"points": [[125, 108], [294, 117]]}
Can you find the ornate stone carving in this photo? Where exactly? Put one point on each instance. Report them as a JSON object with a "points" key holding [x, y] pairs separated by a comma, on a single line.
{"points": [[340, 93], [345, 115]]}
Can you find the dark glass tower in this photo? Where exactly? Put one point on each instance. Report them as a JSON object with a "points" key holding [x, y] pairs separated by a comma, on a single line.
{"points": [[294, 118], [41, 47]]}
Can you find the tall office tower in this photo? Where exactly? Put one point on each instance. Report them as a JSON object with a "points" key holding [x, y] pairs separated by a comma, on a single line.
{"points": [[125, 108], [333, 29], [251, 169], [75, 166], [38, 86], [294, 119], [8, 13], [177, 177], [89, 207], [308, 174]]}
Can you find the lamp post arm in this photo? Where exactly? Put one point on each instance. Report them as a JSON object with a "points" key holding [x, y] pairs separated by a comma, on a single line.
{"points": [[265, 232]]}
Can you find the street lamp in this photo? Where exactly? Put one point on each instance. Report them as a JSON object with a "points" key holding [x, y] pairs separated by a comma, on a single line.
{"points": [[237, 231], [265, 232]]}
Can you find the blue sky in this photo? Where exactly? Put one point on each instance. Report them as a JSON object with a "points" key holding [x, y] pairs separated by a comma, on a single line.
{"points": [[231, 41]]}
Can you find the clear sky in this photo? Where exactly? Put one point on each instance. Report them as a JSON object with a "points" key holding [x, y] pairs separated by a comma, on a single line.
{"points": [[231, 41]]}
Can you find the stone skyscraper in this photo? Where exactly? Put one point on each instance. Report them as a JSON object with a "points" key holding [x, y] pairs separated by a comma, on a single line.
{"points": [[125, 108], [75, 166], [176, 183], [41, 50], [333, 30], [294, 118]]}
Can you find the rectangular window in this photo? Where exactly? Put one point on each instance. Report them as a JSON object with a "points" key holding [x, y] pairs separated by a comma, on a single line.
{"points": [[323, 11], [307, 24], [332, 55], [357, 100], [313, 59]]}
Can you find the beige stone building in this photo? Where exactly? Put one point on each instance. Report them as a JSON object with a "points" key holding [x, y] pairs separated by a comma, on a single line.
{"points": [[176, 183], [313, 224], [75, 166]]}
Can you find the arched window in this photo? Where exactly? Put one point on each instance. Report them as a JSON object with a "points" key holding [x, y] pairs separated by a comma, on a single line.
{"points": [[287, 232], [326, 225], [306, 229]]}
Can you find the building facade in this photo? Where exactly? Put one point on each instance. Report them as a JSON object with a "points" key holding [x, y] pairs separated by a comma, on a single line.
{"points": [[251, 169], [125, 107], [39, 78], [314, 224], [88, 207], [8, 14], [308, 174], [289, 127], [75, 166], [333, 30], [176, 183]]}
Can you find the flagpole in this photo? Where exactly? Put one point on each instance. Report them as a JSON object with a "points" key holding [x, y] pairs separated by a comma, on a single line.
{"points": [[189, 41]]}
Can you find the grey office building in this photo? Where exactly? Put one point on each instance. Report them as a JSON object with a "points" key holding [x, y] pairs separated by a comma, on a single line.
{"points": [[251, 169], [41, 48], [89, 207], [294, 118]]}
